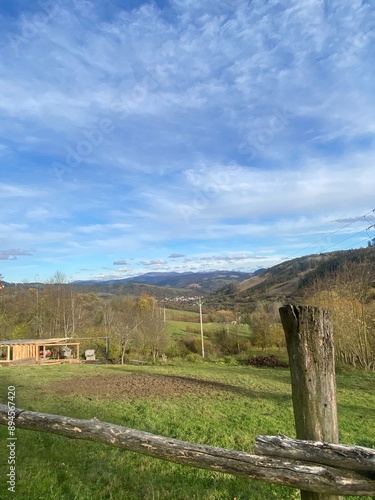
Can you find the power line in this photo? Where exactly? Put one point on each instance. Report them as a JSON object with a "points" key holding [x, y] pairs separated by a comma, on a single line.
{"points": [[332, 233], [348, 238], [365, 239], [282, 261]]}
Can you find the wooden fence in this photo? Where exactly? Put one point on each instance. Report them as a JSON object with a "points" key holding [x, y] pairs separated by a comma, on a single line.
{"points": [[313, 463], [323, 468]]}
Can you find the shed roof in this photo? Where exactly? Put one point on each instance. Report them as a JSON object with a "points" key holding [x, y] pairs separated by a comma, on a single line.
{"points": [[63, 341]]}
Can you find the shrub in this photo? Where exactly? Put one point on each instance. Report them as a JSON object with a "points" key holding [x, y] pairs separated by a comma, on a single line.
{"points": [[265, 361], [194, 358]]}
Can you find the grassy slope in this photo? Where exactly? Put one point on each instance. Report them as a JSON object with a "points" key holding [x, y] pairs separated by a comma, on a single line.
{"points": [[283, 281], [171, 313], [182, 328], [258, 402]]}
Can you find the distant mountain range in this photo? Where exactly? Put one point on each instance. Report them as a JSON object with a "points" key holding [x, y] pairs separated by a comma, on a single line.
{"points": [[281, 283], [201, 282]]}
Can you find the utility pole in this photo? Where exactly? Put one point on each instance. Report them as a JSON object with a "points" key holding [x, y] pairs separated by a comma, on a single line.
{"points": [[201, 322], [37, 322]]}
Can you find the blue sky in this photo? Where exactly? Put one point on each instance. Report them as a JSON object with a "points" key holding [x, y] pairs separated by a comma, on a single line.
{"points": [[181, 135]]}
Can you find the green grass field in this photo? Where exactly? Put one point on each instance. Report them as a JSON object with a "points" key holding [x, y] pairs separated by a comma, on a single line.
{"points": [[173, 313], [254, 401], [183, 327]]}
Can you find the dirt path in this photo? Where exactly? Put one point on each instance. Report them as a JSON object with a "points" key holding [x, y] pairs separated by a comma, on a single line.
{"points": [[136, 386]]}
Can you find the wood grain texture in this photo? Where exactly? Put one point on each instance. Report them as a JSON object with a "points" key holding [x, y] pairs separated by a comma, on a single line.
{"points": [[309, 339]]}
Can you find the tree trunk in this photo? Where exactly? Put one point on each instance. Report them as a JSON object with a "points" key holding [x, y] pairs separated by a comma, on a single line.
{"points": [[309, 337]]}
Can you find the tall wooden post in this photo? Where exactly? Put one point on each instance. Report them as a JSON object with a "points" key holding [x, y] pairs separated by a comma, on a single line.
{"points": [[309, 338]]}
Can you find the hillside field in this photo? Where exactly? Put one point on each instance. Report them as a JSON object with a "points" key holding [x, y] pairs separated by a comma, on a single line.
{"points": [[186, 327], [217, 405], [186, 322]]}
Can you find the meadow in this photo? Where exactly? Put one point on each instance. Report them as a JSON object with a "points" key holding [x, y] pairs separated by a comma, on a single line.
{"points": [[238, 403]]}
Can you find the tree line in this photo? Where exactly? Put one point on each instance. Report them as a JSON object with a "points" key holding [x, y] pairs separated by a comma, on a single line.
{"points": [[348, 292], [56, 310], [136, 325]]}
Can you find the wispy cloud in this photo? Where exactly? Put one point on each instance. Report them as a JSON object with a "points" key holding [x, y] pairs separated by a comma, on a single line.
{"points": [[120, 262], [13, 254], [155, 262], [15, 191], [157, 132]]}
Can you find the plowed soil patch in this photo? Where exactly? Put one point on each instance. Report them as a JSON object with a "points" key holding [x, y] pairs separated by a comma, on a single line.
{"points": [[136, 386]]}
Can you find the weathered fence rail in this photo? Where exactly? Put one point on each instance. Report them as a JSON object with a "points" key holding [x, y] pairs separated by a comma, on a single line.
{"points": [[355, 458], [304, 475]]}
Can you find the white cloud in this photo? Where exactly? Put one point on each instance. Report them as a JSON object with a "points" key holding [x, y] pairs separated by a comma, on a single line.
{"points": [[120, 262], [14, 191], [155, 262], [245, 124], [14, 253]]}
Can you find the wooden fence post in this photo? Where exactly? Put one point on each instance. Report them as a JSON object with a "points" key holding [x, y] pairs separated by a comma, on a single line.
{"points": [[309, 338]]}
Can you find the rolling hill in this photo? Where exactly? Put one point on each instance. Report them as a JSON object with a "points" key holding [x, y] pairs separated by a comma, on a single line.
{"points": [[287, 281], [201, 282]]}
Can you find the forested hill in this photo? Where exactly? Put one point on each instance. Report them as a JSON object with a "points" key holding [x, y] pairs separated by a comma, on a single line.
{"points": [[197, 282], [288, 280], [283, 282]]}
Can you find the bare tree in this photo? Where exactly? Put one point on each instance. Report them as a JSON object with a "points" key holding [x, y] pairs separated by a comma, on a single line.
{"points": [[346, 292], [152, 335]]}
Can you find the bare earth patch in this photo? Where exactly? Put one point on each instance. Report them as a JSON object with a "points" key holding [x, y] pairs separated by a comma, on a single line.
{"points": [[137, 386]]}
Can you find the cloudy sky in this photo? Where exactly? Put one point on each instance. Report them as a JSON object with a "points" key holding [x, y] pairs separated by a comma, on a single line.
{"points": [[183, 135]]}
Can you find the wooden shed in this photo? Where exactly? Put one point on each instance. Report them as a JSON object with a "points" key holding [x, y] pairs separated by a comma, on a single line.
{"points": [[16, 352]]}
